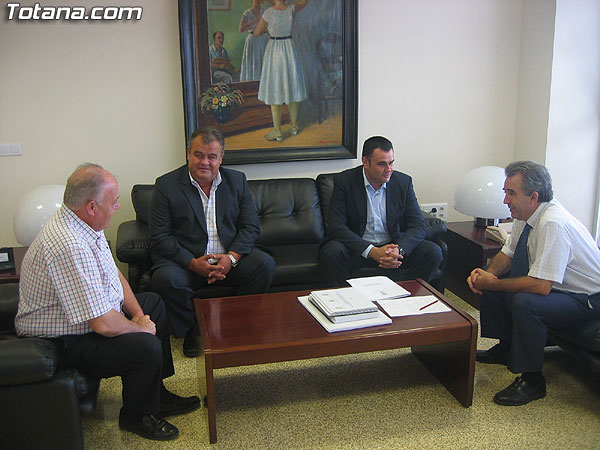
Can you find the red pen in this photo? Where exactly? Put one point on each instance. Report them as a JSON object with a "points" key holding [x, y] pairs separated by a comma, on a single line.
{"points": [[428, 305]]}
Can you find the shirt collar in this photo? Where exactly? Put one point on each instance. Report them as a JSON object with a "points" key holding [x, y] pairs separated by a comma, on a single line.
{"points": [[535, 217], [89, 234], [368, 184], [216, 181]]}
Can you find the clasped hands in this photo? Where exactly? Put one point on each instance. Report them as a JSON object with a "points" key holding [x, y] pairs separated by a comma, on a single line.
{"points": [[212, 272], [387, 256], [146, 323], [480, 279]]}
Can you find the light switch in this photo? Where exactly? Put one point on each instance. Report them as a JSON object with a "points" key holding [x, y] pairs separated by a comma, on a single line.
{"points": [[11, 149]]}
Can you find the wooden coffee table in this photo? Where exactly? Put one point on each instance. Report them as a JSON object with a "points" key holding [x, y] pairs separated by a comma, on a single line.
{"points": [[258, 329]]}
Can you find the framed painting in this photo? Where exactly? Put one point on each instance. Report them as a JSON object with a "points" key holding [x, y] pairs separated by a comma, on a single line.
{"points": [[278, 78]]}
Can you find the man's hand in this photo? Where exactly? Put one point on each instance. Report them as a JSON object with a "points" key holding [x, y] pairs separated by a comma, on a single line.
{"points": [[387, 256], [212, 272], [480, 279], [145, 322]]}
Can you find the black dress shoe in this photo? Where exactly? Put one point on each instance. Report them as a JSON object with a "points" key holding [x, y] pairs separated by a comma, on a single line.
{"points": [[190, 345], [494, 355], [175, 405], [149, 427], [521, 392]]}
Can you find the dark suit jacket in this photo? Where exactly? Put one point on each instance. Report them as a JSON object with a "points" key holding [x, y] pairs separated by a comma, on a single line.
{"points": [[348, 211], [177, 228]]}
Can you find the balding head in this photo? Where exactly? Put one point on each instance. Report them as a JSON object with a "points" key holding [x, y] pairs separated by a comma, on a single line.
{"points": [[93, 194]]}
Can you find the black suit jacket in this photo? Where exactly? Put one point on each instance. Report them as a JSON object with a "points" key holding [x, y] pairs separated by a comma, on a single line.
{"points": [[177, 228], [348, 211]]}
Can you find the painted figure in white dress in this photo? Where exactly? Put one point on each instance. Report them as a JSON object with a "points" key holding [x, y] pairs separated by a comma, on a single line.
{"points": [[282, 78], [254, 47]]}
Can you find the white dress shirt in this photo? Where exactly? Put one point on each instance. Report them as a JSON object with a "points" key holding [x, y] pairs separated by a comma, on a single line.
{"points": [[560, 249]]}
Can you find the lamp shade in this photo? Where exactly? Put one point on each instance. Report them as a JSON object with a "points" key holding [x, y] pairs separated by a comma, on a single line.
{"points": [[480, 193], [35, 209]]}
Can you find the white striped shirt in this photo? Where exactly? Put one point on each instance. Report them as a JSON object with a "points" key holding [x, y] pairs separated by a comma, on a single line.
{"points": [[213, 244], [68, 277]]}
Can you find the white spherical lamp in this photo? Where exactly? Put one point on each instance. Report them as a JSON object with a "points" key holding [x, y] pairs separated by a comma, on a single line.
{"points": [[481, 194], [35, 209]]}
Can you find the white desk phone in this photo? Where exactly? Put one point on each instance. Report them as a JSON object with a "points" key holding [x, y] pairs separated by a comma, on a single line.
{"points": [[499, 233]]}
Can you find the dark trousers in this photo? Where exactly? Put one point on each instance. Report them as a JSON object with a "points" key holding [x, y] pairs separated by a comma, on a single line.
{"points": [[523, 319], [339, 263], [176, 285], [142, 360]]}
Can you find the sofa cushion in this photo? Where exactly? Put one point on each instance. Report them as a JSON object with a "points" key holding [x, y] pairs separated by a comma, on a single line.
{"points": [[27, 360], [297, 265], [289, 211], [141, 197], [325, 187]]}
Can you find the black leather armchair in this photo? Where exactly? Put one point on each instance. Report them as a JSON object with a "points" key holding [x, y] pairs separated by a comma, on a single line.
{"points": [[292, 215], [41, 405]]}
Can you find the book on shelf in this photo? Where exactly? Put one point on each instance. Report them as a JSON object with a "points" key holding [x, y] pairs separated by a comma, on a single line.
{"points": [[345, 317], [331, 327], [341, 302], [378, 288]]}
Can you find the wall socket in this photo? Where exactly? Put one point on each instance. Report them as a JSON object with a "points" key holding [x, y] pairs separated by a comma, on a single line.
{"points": [[439, 210], [12, 149]]}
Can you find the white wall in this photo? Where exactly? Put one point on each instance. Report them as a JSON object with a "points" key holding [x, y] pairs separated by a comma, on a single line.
{"points": [[535, 73], [103, 92], [439, 78], [573, 152]]}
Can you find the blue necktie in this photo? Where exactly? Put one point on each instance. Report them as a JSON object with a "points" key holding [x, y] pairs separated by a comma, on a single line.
{"points": [[520, 262]]}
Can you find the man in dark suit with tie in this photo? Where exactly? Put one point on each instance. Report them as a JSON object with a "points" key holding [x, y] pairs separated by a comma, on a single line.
{"points": [[203, 225], [375, 222], [553, 280]]}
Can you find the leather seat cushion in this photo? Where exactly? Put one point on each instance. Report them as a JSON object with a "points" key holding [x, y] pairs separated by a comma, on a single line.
{"points": [[296, 264], [586, 335]]}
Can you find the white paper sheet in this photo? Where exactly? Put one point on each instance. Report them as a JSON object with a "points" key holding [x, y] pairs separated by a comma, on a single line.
{"points": [[412, 306], [378, 288]]}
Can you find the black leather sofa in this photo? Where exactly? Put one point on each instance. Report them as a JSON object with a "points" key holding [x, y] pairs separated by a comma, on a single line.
{"points": [[292, 215], [41, 406], [582, 341]]}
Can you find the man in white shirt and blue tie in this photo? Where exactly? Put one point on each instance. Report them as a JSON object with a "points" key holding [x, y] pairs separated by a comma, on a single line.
{"points": [[553, 280]]}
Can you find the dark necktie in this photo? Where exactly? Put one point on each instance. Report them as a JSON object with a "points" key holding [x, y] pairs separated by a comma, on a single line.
{"points": [[520, 262]]}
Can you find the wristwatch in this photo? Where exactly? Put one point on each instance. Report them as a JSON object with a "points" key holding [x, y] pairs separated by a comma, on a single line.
{"points": [[234, 262], [402, 252]]}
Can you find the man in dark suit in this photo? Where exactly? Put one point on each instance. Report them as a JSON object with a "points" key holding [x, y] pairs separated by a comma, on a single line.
{"points": [[203, 225], [375, 222]]}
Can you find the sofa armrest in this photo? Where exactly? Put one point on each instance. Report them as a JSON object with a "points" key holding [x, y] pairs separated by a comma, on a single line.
{"points": [[9, 300], [27, 360], [133, 245], [435, 227]]}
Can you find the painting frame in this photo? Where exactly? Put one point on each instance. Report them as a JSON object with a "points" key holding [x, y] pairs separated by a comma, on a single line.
{"points": [[196, 78], [217, 5]]}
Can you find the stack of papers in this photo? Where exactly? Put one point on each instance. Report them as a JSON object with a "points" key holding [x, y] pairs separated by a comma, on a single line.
{"points": [[378, 288], [331, 327], [343, 305], [352, 307]]}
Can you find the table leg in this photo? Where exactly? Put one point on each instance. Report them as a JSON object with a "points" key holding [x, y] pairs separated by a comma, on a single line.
{"points": [[207, 391], [453, 364]]}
